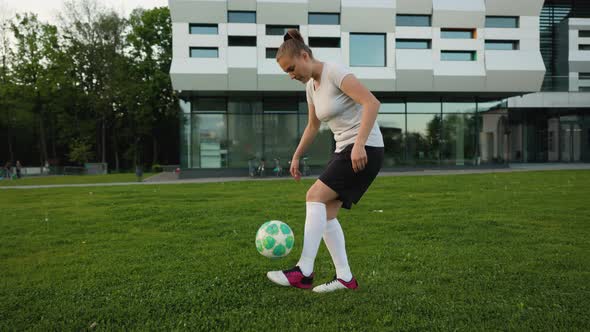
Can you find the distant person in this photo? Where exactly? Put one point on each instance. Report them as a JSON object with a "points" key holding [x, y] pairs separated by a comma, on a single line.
{"points": [[337, 97], [8, 170], [19, 166]]}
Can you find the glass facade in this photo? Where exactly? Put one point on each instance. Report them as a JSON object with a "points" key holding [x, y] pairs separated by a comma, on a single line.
{"points": [[203, 29], [412, 20], [227, 132], [412, 43], [456, 34], [458, 55], [503, 45], [204, 52], [279, 30], [501, 21], [324, 18], [360, 43], [241, 17]]}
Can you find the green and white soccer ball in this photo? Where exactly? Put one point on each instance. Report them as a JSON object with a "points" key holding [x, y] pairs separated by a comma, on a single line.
{"points": [[274, 239]]}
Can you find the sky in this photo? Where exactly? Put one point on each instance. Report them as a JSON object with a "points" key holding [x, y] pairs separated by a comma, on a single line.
{"points": [[49, 9]]}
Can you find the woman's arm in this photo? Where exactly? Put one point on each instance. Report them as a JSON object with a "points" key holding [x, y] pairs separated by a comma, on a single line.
{"points": [[360, 94]]}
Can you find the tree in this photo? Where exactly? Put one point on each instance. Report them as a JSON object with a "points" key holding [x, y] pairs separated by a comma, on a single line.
{"points": [[150, 47]]}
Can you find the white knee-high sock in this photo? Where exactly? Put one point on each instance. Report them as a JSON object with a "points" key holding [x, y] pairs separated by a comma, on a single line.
{"points": [[334, 239], [315, 223]]}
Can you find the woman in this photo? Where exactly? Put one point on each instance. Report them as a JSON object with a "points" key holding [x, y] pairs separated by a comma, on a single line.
{"points": [[335, 96]]}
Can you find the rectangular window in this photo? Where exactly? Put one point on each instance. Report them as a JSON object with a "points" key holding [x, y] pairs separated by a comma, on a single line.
{"points": [[502, 44], [279, 30], [457, 33], [271, 53], [367, 49], [203, 29], [210, 105], [584, 76], [458, 55], [333, 42], [412, 20], [239, 16], [584, 47], [584, 33], [420, 44], [584, 89], [501, 21], [241, 40], [324, 18], [204, 52]]}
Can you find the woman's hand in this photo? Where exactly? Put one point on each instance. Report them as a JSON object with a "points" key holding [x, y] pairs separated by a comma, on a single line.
{"points": [[294, 169], [358, 156]]}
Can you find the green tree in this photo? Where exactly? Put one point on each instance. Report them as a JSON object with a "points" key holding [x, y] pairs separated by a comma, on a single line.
{"points": [[150, 48]]}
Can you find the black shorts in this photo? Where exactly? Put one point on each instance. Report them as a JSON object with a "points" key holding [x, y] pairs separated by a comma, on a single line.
{"points": [[341, 178]]}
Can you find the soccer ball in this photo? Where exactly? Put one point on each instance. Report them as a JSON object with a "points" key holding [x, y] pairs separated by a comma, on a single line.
{"points": [[274, 239]]}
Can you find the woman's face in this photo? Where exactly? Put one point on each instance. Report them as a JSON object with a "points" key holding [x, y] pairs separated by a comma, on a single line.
{"points": [[297, 67]]}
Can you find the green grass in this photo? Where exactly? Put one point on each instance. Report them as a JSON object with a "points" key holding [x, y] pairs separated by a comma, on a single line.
{"points": [[505, 251], [72, 179]]}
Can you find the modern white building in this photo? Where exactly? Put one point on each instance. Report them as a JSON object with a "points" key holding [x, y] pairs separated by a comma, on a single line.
{"points": [[443, 70]]}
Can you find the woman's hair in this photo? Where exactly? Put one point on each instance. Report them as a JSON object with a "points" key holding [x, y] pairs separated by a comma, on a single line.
{"points": [[292, 45]]}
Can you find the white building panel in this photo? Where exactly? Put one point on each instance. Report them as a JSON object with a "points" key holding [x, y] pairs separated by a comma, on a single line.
{"points": [[282, 12], [514, 71], [244, 5], [458, 13], [326, 6], [209, 11], [317, 30], [328, 54], [368, 16], [242, 29], [414, 70], [414, 32], [242, 57], [459, 76], [513, 7], [423, 7]]}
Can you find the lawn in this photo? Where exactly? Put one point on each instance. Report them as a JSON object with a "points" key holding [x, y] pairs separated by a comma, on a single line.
{"points": [[505, 251], [72, 179]]}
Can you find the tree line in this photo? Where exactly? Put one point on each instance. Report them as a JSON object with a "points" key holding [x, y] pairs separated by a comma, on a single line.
{"points": [[93, 88]]}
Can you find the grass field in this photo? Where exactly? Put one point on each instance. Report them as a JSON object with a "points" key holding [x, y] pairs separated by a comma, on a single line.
{"points": [[72, 179], [505, 251]]}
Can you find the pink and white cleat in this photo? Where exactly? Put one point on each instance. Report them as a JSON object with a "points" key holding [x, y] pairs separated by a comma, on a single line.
{"points": [[335, 285], [293, 277]]}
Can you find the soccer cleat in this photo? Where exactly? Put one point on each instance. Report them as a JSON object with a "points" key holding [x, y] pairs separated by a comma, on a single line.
{"points": [[336, 284], [293, 277]]}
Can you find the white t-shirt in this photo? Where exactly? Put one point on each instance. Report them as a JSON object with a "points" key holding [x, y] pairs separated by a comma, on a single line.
{"points": [[337, 109]]}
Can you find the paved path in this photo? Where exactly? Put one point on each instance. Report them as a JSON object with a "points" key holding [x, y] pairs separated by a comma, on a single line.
{"points": [[165, 180]]}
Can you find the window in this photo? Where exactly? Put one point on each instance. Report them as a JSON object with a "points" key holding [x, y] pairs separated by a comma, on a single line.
{"points": [[204, 52], [457, 33], [367, 50], [584, 33], [584, 76], [458, 55], [241, 41], [203, 29], [584, 47], [502, 44], [279, 30], [412, 43], [271, 53], [323, 18], [241, 17], [413, 20], [584, 89], [333, 42], [501, 21]]}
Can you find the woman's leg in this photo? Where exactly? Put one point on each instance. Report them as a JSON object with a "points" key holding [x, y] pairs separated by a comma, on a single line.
{"points": [[334, 240], [315, 222]]}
